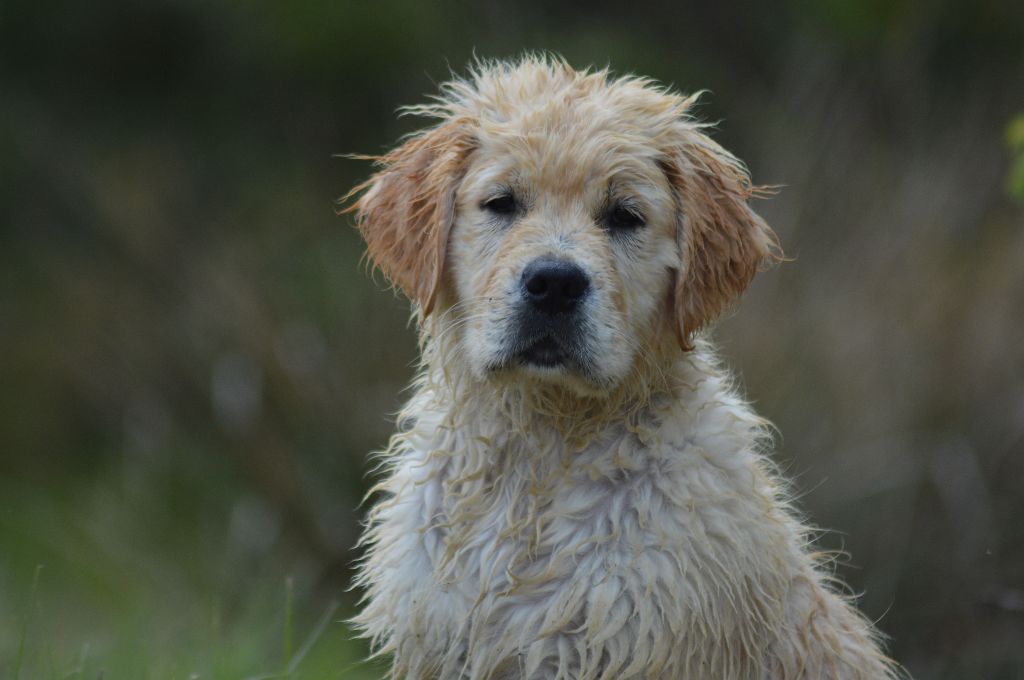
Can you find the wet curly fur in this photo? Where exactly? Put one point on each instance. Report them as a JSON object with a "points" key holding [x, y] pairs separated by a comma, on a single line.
{"points": [[611, 512]]}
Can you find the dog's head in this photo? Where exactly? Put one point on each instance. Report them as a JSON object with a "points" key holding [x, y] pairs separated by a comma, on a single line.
{"points": [[561, 223]]}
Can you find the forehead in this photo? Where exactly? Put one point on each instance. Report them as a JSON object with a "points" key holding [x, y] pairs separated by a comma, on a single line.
{"points": [[569, 133]]}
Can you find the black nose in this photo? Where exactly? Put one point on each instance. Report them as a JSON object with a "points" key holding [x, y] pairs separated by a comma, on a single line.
{"points": [[554, 286]]}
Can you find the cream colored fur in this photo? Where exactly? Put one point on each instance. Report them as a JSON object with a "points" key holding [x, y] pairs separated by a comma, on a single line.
{"points": [[619, 518]]}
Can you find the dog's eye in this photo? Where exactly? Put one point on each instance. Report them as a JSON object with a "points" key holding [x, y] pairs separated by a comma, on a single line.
{"points": [[623, 217], [502, 204]]}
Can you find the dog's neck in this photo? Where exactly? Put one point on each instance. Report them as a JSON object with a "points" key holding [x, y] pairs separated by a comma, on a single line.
{"points": [[521, 405], [518, 408]]}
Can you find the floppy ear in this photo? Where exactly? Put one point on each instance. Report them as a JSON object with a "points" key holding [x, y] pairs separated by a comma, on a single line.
{"points": [[405, 211], [722, 241]]}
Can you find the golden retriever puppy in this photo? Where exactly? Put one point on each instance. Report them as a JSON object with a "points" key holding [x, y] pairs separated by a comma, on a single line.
{"points": [[576, 490]]}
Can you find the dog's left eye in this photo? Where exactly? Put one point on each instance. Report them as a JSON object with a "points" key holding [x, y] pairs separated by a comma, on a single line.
{"points": [[623, 217], [502, 204]]}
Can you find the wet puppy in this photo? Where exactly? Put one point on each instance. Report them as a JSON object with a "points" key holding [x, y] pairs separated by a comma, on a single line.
{"points": [[575, 490]]}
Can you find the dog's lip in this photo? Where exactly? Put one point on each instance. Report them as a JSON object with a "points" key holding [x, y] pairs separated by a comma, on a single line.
{"points": [[546, 351]]}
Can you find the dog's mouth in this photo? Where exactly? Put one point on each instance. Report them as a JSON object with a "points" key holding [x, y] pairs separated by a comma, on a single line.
{"points": [[545, 352], [550, 356]]}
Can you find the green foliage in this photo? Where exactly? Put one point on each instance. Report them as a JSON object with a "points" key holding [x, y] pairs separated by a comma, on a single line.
{"points": [[206, 642], [1015, 143]]}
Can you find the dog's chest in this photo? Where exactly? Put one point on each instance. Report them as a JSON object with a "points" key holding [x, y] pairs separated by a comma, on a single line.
{"points": [[632, 540]]}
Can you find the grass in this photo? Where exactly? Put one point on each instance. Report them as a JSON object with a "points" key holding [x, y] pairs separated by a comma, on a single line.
{"points": [[195, 648], [110, 585]]}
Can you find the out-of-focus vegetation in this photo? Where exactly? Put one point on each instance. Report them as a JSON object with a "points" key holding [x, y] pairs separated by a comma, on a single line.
{"points": [[1015, 141], [193, 364]]}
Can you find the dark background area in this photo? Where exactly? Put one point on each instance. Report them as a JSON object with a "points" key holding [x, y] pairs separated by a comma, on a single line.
{"points": [[194, 364]]}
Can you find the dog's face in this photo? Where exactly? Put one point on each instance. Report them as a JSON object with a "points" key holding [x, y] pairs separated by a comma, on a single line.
{"points": [[560, 224], [563, 246]]}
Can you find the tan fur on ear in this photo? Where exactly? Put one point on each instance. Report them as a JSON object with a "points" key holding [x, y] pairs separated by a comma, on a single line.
{"points": [[405, 211], [722, 241]]}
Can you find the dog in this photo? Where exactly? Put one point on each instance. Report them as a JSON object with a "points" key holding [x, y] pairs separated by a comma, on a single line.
{"points": [[576, 490]]}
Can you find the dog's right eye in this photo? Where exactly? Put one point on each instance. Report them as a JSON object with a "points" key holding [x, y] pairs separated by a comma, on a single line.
{"points": [[502, 204], [623, 218]]}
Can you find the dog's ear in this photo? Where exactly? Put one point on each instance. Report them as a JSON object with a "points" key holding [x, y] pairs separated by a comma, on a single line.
{"points": [[722, 241], [406, 209]]}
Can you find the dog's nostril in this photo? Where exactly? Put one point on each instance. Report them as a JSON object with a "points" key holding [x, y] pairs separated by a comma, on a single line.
{"points": [[536, 285], [575, 288], [553, 285]]}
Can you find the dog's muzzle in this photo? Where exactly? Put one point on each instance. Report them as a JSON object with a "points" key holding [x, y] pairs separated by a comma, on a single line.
{"points": [[549, 328]]}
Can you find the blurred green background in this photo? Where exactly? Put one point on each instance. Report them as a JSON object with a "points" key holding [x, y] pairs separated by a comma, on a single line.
{"points": [[194, 364]]}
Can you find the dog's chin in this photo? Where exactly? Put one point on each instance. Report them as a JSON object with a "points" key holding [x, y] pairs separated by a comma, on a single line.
{"points": [[548, 360], [545, 354]]}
